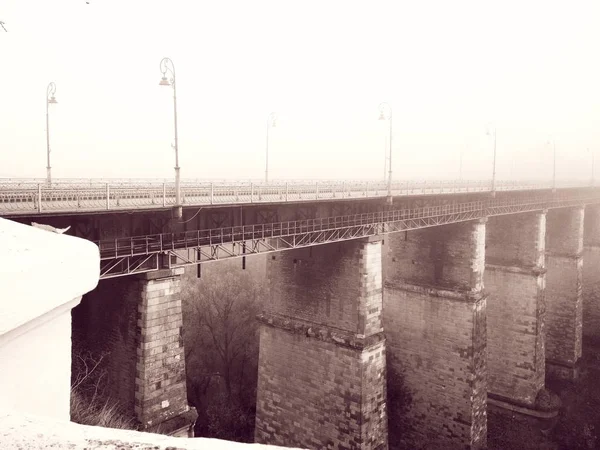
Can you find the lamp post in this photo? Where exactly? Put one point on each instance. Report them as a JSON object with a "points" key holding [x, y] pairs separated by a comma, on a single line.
{"points": [[553, 143], [385, 157], [593, 174], [460, 166], [50, 99], [382, 116], [494, 164], [271, 123], [166, 65]]}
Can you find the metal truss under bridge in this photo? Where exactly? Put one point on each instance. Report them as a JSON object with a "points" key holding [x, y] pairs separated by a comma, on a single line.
{"points": [[19, 197], [120, 257]]}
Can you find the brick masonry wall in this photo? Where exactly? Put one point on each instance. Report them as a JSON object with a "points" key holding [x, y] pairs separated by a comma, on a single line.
{"points": [[439, 347], [591, 293], [435, 324], [321, 378], [564, 309], [440, 256], [564, 275], [516, 344], [591, 227], [516, 240], [337, 285], [564, 231], [316, 394], [160, 386], [591, 274], [515, 281]]}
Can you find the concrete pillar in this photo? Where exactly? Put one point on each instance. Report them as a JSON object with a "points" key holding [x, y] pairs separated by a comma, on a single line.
{"points": [[591, 275], [160, 384], [515, 278], [564, 262], [321, 370], [435, 322]]}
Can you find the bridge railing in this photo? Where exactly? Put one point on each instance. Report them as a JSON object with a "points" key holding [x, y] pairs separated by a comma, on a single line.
{"points": [[38, 198]]}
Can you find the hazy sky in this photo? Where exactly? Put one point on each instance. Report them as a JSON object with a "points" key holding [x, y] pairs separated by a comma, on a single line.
{"points": [[447, 68]]}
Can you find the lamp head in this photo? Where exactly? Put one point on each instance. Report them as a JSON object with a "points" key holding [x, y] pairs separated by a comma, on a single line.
{"points": [[52, 100], [381, 115], [164, 82]]}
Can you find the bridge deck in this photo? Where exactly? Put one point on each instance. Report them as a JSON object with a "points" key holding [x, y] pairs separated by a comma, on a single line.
{"points": [[30, 198], [143, 253]]}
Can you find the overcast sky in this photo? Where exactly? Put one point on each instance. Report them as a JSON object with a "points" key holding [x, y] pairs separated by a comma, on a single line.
{"points": [[447, 68]]}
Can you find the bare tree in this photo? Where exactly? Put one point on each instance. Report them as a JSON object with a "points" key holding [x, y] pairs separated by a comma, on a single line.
{"points": [[220, 333]]}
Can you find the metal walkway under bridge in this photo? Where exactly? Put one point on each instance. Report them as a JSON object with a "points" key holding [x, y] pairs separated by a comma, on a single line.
{"points": [[139, 254]]}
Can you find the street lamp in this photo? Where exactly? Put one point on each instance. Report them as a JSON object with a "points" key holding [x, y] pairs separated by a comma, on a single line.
{"points": [[592, 153], [494, 164], [382, 116], [271, 123], [553, 143], [50, 99], [166, 65]]}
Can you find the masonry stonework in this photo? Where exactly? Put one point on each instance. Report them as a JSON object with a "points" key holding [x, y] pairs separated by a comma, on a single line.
{"points": [[515, 278], [564, 262], [435, 322], [322, 375], [591, 274], [160, 384], [134, 323]]}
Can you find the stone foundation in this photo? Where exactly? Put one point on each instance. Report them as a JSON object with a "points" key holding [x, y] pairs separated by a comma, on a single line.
{"points": [[321, 378], [564, 264], [515, 278], [435, 322]]}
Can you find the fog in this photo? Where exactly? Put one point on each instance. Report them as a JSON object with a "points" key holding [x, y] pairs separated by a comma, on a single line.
{"points": [[450, 70]]}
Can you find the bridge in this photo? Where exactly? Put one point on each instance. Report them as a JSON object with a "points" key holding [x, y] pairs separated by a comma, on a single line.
{"points": [[475, 294]]}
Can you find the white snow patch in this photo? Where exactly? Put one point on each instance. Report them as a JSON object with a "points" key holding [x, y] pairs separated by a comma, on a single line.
{"points": [[41, 271]]}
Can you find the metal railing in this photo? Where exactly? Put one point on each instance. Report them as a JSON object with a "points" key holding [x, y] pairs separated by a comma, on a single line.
{"points": [[139, 254], [67, 196]]}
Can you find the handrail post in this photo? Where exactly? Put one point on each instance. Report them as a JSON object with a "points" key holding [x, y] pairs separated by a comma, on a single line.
{"points": [[164, 194], [107, 196], [317, 190], [212, 192], [39, 197], [251, 192], [286, 191]]}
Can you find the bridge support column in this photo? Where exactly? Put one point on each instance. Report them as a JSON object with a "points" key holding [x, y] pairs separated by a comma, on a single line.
{"points": [[321, 375], [591, 275], [160, 383], [515, 278], [435, 322], [564, 264]]}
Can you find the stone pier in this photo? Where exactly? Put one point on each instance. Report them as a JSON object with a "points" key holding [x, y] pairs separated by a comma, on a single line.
{"points": [[322, 374], [136, 323], [591, 275], [435, 322], [564, 263], [160, 384], [515, 277]]}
